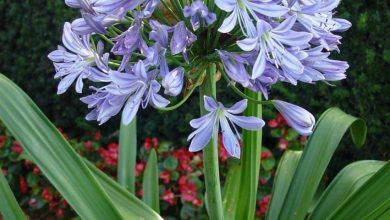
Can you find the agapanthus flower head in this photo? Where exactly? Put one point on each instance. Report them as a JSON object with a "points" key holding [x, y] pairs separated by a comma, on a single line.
{"points": [[132, 50], [208, 125], [298, 118]]}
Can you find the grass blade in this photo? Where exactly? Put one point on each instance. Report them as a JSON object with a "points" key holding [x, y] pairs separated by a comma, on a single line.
{"points": [[54, 156], [284, 175], [317, 154], [351, 178], [9, 207], [150, 183]]}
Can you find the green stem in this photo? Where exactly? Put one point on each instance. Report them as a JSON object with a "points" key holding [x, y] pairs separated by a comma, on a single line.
{"points": [[127, 155], [250, 163], [210, 153]]}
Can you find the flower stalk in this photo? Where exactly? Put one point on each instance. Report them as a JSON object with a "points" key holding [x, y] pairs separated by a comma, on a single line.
{"points": [[250, 162], [127, 155], [210, 153]]}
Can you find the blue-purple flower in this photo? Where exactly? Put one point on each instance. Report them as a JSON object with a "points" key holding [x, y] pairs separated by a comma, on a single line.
{"points": [[269, 42], [137, 87], [73, 62], [298, 118], [199, 15], [219, 116], [173, 82], [182, 39], [242, 10]]}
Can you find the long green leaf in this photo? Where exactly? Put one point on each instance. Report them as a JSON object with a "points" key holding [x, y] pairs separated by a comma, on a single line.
{"points": [[250, 163], [127, 155], [344, 184], [284, 175], [9, 207], [54, 156], [150, 183], [230, 192], [127, 203], [317, 154], [381, 213], [374, 194]]}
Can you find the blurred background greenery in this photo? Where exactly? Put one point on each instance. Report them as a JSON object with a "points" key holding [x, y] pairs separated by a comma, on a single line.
{"points": [[29, 30]]}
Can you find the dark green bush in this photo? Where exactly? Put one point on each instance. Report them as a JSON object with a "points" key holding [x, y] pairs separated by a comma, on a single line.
{"points": [[29, 30]]}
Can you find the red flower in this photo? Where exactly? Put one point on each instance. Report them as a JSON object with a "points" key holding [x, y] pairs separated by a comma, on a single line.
{"points": [[263, 205], [281, 120], [169, 197], [60, 213], [183, 180], [23, 184], [88, 145], [16, 148], [2, 140], [165, 176], [46, 195], [283, 144], [4, 172], [110, 155], [263, 181], [197, 202], [273, 123], [139, 167], [151, 143], [98, 136], [140, 193], [188, 192], [36, 171], [223, 154], [266, 154]]}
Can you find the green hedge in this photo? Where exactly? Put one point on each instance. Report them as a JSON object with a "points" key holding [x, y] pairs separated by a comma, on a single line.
{"points": [[29, 30]]}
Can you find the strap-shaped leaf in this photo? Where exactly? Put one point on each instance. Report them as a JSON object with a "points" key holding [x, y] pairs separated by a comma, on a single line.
{"points": [[127, 155], [369, 199], [231, 193], [284, 175], [150, 183], [129, 205], [351, 178], [317, 154], [54, 156], [9, 207]]}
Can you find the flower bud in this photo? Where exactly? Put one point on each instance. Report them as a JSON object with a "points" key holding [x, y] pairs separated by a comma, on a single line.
{"points": [[298, 118]]}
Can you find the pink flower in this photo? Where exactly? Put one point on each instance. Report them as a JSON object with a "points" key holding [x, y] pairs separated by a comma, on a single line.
{"points": [[165, 176], [16, 148], [188, 192], [36, 171], [283, 144], [88, 145], [197, 202], [47, 195], [169, 197], [60, 213], [273, 123]]}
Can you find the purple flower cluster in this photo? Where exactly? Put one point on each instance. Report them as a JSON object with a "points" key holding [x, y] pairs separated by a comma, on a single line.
{"points": [[258, 43]]}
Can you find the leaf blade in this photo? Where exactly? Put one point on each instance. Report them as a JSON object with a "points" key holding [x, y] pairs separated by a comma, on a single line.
{"points": [[317, 154], [150, 183], [9, 207], [61, 165]]}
